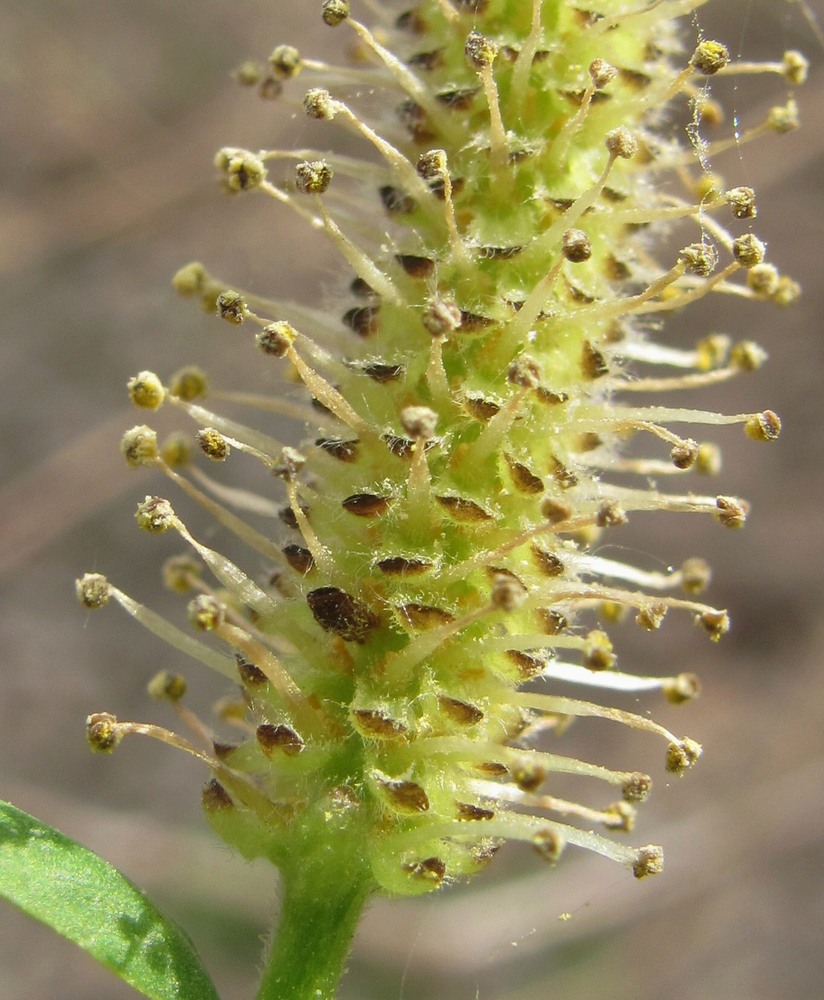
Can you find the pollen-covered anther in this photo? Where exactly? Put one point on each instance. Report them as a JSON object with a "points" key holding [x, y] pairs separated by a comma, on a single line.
{"points": [[188, 383], [576, 246], [601, 73], [480, 50], [549, 844], [620, 816], [335, 12], [213, 444], [205, 613], [419, 422], [598, 652], [795, 67], [715, 623], [139, 446], [313, 176], [636, 787], [731, 511], [93, 590], [708, 459], [763, 279], [231, 306], [441, 317], [279, 739], [684, 687], [684, 454], [432, 165], [275, 339], [508, 593], [103, 732], [765, 426], [318, 104], [166, 686], [190, 280], [650, 616], [176, 450], [742, 202], [241, 169], [747, 356], [682, 755], [650, 861], [783, 117], [700, 259], [620, 142], [146, 391], [709, 58], [748, 250], [180, 573], [610, 514], [695, 575], [155, 515], [285, 61]]}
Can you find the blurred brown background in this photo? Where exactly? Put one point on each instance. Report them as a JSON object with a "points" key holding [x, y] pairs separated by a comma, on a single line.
{"points": [[111, 113]]}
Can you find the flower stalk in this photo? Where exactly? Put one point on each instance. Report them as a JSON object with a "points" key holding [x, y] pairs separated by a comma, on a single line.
{"points": [[439, 600]]}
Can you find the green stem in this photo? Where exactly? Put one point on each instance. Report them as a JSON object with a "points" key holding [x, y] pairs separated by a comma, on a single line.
{"points": [[321, 908]]}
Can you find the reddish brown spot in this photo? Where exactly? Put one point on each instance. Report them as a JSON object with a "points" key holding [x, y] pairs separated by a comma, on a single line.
{"points": [[396, 201], [553, 621], [250, 675], [524, 480], [423, 617], [300, 559], [460, 711], [467, 811], [480, 407], [377, 724], [215, 798], [528, 665], [405, 796], [382, 372]]}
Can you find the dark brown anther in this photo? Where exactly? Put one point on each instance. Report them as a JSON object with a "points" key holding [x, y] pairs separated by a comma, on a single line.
{"points": [[555, 511], [343, 451], [278, 739], [460, 711], [401, 447], [362, 319], [479, 406], [377, 725], [405, 796], [529, 665], [362, 289], [563, 476], [399, 566], [396, 201], [684, 454], [413, 117], [300, 559], [492, 769], [610, 515], [223, 751], [548, 563], [464, 510], [472, 322], [215, 798], [427, 60], [429, 870], [415, 267], [553, 621], [549, 845], [411, 21], [467, 811], [287, 516], [550, 397], [366, 504], [422, 617], [336, 611], [457, 98], [524, 480], [593, 362], [529, 777], [381, 372], [250, 675]]}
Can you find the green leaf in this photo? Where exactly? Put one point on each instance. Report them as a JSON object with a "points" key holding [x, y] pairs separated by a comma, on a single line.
{"points": [[85, 899]]}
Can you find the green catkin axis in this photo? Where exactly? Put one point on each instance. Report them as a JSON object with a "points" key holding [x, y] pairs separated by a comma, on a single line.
{"points": [[471, 403]]}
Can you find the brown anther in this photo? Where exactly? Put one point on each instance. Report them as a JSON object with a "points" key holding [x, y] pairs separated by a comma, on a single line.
{"points": [[334, 12], [275, 339], [508, 593], [684, 454], [524, 371], [377, 724], [715, 623], [650, 861], [400, 566], [684, 687], [396, 201], [215, 798], [598, 654], [313, 176], [765, 426], [610, 514], [523, 478], [731, 512], [432, 164], [480, 50], [621, 142], [414, 266], [682, 755], [576, 246], [205, 612], [231, 307], [696, 575], [250, 675], [363, 320], [742, 202], [213, 444], [336, 611], [462, 509], [92, 590], [102, 732], [529, 777], [709, 57], [700, 258], [651, 616], [473, 813], [428, 870], [342, 450], [479, 406], [291, 463], [748, 250], [166, 686], [594, 364], [548, 844], [601, 73], [637, 787], [285, 61], [366, 504], [278, 739], [422, 617], [300, 559]]}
